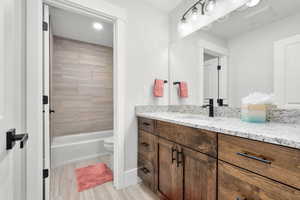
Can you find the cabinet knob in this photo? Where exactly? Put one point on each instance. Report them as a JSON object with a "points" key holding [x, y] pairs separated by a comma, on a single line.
{"points": [[145, 144], [145, 170]]}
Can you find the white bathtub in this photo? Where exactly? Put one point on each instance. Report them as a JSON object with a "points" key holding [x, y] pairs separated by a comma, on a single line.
{"points": [[72, 148]]}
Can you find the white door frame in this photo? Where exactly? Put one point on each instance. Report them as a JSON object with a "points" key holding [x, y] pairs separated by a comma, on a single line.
{"points": [[280, 72], [206, 46], [46, 92], [34, 86]]}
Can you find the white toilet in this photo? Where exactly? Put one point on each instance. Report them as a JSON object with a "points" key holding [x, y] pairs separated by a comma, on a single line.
{"points": [[109, 148]]}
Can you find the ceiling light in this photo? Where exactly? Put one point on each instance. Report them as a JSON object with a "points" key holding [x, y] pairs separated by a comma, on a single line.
{"points": [[210, 5], [97, 26], [252, 3]]}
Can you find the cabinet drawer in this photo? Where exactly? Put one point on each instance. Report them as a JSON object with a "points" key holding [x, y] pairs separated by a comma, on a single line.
{"points": [[273, 161], [199, 140], [147, 145], [146, 171], [235, 183], [146, 124]]}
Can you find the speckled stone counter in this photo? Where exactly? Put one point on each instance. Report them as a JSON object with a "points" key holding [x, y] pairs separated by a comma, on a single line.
{"points": [[275, 133]]}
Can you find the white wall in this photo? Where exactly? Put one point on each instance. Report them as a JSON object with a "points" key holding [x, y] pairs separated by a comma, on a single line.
{"points": [[184, 66], [185, 63], [251, 58], [147, 59]]}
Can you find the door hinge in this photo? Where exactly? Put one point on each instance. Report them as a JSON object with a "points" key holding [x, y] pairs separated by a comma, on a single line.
{"points": [[45, 100], [45, 173], [219, 67], [45, 26]]}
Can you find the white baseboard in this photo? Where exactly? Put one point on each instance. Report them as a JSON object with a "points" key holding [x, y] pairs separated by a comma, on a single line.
{"points": [[131, 178]]}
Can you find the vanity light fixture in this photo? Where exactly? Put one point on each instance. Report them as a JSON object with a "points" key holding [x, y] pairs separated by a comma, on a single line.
{"points": [[97, 26], [206, 6]]}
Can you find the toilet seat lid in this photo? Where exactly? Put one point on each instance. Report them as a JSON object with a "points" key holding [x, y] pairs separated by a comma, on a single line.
{"points": [[109, 140]]}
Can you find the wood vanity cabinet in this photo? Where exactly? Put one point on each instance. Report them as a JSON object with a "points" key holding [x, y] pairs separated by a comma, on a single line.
{"points": [[184, 173], [169, 172], [239, 184], [183, 163], [200, 175], [180, 172], [273, 161]]}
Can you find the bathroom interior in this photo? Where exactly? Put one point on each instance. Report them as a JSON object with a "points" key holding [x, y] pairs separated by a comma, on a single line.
{"points": [[225, 77], [81, 93], [149, 99]]}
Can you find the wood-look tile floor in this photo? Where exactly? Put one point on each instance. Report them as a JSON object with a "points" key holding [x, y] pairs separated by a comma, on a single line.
{"points": [[63, 186]]}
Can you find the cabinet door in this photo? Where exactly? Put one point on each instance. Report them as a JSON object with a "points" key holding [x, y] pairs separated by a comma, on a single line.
{"points": [[236, 183], [200, 180], [170, 174]]}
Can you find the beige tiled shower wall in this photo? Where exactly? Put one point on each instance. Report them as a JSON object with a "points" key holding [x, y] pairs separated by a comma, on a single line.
{"points": [[82, 87]]}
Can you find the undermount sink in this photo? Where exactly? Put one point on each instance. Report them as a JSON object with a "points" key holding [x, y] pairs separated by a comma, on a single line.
{"points": [[197, 117]]}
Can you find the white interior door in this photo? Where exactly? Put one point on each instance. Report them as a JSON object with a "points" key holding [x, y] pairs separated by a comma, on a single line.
{"points": [[211, 79], [46, 93], [214, 88], [287, 72], [12, 98]]}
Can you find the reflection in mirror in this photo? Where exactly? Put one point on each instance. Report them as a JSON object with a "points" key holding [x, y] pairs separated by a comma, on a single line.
{"points": [[256, 49], [215, 81]]}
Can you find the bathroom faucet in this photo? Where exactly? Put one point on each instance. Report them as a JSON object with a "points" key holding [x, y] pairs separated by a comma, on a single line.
{"points": [[211, 107]]}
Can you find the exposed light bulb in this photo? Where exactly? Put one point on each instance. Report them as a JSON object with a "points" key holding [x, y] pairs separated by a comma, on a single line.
{"points": [[211, 4], [252, 3], [182, 24], [194, 14], [97, 26]]}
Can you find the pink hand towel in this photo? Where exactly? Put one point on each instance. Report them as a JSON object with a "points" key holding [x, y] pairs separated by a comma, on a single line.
{"points": [[183, 90], [158, 89]]}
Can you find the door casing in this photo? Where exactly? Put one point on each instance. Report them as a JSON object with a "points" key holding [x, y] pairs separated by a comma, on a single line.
{"points": [[34, 77]]}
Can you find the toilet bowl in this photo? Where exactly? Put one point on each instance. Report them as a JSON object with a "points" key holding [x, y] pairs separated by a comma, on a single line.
{"points": [[109, 144]]}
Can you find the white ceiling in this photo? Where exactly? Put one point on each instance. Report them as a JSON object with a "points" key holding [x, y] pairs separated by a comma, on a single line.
{"points": [[80, 27], [244, 20], [165, 5]]}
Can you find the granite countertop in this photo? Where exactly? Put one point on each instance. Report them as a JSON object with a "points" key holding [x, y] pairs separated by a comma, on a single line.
{"points": [[275, 133]]}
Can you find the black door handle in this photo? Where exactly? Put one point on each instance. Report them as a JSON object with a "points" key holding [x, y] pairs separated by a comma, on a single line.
{"points": [[52, 111], [12, 137]]}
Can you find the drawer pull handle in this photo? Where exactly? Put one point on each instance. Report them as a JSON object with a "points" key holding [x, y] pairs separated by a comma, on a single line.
{"points": [[238, 198], [254, 158], [145, 144], [173, 151], [179, 158], [146, 124], [145, 170]]}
